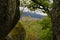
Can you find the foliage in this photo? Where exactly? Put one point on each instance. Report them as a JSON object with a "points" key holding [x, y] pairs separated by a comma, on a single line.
{"points": [[45, 22], [40, 4], [35, 29], [46, 33], [24, 3], [40, 28], [31, 28]]}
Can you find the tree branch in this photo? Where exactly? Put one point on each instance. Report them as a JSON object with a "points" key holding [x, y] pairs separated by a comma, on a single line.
{"points": [[45, 8]]}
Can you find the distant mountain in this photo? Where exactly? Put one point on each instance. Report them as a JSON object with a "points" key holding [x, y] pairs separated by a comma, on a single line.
{"points": [[32, 15]]}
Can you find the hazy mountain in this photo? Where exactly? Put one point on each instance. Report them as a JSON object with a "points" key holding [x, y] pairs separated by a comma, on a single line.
{"points": [[32, 15]]}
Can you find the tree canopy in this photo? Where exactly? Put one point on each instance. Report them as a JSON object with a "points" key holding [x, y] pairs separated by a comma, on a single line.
{"points": [[45, 5]]}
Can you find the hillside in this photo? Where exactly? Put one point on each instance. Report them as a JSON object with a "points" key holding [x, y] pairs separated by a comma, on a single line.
{"points": [[32, 15]]}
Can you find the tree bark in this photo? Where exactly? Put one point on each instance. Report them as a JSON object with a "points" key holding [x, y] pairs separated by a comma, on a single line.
{"points": [[9, 16], [56, 19]]}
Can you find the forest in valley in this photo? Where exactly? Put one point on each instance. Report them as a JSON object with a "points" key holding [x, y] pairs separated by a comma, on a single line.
{"points": [[29, 19]]}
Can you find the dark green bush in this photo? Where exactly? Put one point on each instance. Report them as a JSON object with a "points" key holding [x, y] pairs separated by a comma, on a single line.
{"points": [[46, 33]]}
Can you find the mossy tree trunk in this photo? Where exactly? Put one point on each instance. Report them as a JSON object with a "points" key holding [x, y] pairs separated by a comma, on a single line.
{"points": [[56, 19], [9, 16]]}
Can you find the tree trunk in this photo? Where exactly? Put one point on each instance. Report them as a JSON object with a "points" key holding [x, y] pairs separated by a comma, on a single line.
{"points": [[56, 20], [9, 16]]}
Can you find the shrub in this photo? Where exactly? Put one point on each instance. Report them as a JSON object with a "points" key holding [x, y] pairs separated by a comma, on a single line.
{"points": [[35, 29], [46, 33]]}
